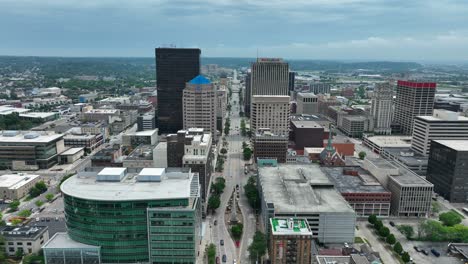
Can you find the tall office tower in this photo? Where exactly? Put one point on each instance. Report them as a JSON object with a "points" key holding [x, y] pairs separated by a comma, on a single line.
{"points": [[200, 105], [307, 103], [248, 95], [382, 108], [174, 68], [320, 88], [270, 96], [292, 79], [447, 169], [443, 124], [412, 99]]}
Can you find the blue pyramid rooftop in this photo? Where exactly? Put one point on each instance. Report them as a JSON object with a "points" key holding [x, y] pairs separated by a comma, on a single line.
{"points": [[200, 79]]}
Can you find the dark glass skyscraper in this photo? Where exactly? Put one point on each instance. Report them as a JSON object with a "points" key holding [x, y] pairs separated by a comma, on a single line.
{"points": [[174, 68]]}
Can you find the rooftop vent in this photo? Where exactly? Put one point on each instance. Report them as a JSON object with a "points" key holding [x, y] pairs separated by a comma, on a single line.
{"points": [[31, 135], [10, 133]]}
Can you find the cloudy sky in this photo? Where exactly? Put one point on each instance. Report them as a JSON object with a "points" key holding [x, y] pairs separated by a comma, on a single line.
{"points": [[419, 30]]}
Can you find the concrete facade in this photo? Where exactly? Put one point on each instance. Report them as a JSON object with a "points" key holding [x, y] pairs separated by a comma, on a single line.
{"points": [[382, 109]]}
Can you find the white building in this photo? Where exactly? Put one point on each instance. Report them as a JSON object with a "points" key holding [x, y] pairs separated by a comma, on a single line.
{"points": [[307, 103], [16, 186], [443, 124], [382, 108]]}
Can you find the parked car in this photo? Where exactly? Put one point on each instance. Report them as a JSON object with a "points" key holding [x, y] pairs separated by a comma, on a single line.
{"points": [[392, 223], [435, 252], [217, 260], [424, 252], [224, 258], [417, 249], [215, 222], [221, 242]]}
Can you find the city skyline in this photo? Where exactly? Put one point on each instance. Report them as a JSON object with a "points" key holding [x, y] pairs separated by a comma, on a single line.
{"points": [[338, 29]]}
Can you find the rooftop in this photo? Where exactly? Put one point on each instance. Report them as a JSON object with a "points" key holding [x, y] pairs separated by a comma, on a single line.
{"points": [[71, 151], [28, 137], [391, 141], [22, 231], [200, 79], [15, 181], [363, 182], [38, 114], [176, 183], [305, 117], [404, 176], [142, 133], [142, 152], [290, 227], [6, 110], [441, 115], [300, 189], [407, 156], [458, 145], [62, 240], [102, 111], [306, 124]]}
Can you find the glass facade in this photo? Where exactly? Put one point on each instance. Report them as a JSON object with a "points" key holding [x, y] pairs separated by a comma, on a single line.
{"points": [[72, 256], [121, 227]]}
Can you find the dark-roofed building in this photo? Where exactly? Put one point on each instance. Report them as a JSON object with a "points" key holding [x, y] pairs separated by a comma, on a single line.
{"points": [[28, 239]]}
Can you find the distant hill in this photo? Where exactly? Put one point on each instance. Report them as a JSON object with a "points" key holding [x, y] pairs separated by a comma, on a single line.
{"points": [[65, 67]]}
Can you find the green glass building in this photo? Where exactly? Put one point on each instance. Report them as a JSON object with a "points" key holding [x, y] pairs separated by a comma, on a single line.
{"points": [[150, 217]]}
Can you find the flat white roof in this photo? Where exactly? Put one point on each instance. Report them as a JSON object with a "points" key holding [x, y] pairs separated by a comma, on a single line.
{"points": [[43, 137], [143, 133], [391, 141], [112, 171], [152, 171], [71, 151], [85, 186], [62, 240], [459, 145], [38, 114], [16, 181], [6, 110]]}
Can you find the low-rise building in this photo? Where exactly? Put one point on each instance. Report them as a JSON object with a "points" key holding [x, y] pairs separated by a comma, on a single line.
{"points": [[290, 241], [16, 186], [361, 190], [39, 117], [307, 103], [71, 155], [24, 150], [411, 194], [140, 157], [146, 137], [306, 134], [54, 252], [87, 141], [297, 191], [356, 125], [108, 157], [160, 155], [269, 145], [146, 122], [378, 143], [26, 239]]}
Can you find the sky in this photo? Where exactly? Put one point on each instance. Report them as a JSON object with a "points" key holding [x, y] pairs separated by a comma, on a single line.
{"points": [[396, 30]]}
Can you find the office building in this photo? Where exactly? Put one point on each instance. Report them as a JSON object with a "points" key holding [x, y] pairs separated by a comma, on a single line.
{"points": [[270, 146], [221, 107], [270, 96], [87, 141], [16, 186], [160, 155], [248, 94], [381, 111], [200, 105], [411, 194], [174, 68], [270, 112], [26, 239], [355, 125], [306, 134], [141, 157], [23, 150], [307, 103], [361, 190], [61, 249], [447, 169], [146, 122], [108, 157], [71, 155], [152, 216], [297, 191], [192, 148], [412, 99], [292, 79], [320, 88], [290, 241], [146, 137], [442, 124]]}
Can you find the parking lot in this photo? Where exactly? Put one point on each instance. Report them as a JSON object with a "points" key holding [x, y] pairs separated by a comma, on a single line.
{"points": [[52, 216]]}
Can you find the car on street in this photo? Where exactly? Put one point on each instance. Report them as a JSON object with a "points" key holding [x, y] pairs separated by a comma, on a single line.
{"points": [[215, 222], [217, 260], [221, 242], [417, 249], [234, 261], [224, 258], [392, 223], [435, 252], [425, 252]]}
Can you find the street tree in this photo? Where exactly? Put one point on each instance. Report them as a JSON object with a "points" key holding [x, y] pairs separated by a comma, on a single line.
{"points": [[398, 248], [223, 151], [247, 153], [405, 257], [391, 239], [236, 231], [450, 218], [384, 231], [49, 196], [259, 246], [211, 253], [214, 202], [14, 205], [372, 219], [362, 155]]}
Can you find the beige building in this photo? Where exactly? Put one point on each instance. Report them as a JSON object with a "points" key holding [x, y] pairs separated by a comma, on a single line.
{"points": [[307, 103], [28, 239], [200, 105], [382, 109], [16, 186], [270, 96], [290, 241]]}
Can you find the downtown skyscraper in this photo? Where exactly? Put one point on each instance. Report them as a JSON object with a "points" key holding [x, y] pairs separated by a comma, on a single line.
{"points": [[270, 96], [381, 110], [174, 68], [413, 99]]}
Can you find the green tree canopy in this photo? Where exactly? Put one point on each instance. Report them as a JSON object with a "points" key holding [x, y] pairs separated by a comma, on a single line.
{"points": [[214, 202], [372, 219], [391, 239], [259, 245], [384, 231], [247, 153], [362, 155], [49, 196], [450, 218], [211, 253], [236, 231], [405, 257], [398, 248], [14, 205]]}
